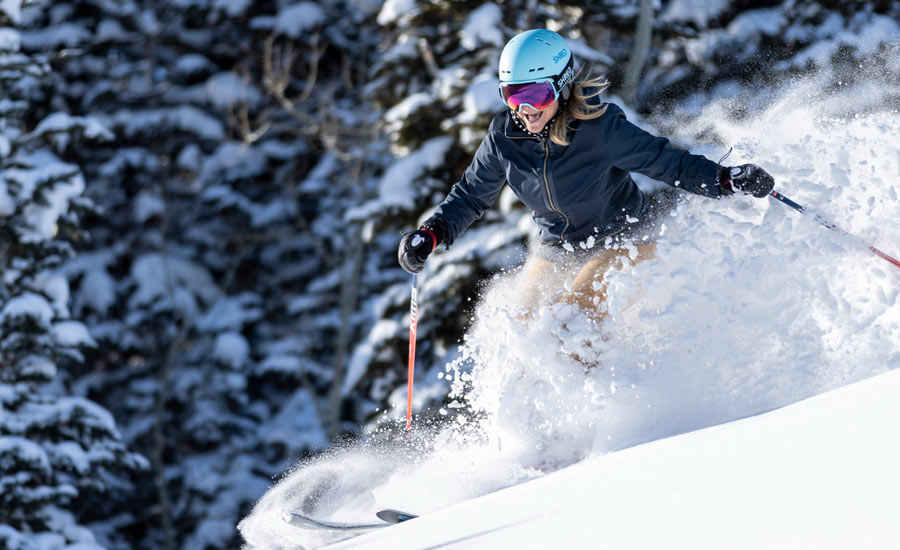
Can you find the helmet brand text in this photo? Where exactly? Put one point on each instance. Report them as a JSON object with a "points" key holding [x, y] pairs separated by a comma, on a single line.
{"points": [[564, 78]]}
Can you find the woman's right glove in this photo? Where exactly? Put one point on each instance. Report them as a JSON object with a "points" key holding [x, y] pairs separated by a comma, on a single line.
{"points": [[415, 247], [749, 178]]}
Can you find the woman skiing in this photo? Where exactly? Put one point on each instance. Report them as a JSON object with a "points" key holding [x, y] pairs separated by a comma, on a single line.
{"points": [[567, 156]]}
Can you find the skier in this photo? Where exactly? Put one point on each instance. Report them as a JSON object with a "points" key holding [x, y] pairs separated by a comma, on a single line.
{"points": [[567, 156]]}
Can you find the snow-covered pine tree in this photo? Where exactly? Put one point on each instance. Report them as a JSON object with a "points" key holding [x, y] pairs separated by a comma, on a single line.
{"points": [[62, 459], [153, 283], [195, 283], [703, 53]]}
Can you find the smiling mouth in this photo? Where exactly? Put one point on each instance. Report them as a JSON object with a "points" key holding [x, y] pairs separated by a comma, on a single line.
{"points": [[531, 118]]}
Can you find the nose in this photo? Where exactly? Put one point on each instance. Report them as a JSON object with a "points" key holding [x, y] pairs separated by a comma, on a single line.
{"points": [[529, 110]]}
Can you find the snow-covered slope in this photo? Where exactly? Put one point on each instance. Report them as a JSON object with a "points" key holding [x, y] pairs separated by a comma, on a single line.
{"points": [[822, 473]]}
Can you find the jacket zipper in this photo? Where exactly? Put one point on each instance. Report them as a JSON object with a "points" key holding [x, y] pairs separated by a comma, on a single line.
{"points": [[546, 147]]}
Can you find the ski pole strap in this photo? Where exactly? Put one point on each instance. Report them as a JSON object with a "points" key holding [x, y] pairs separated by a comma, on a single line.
{"points": [[434, 241]]}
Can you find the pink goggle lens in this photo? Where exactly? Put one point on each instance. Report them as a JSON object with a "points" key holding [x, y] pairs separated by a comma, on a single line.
{"points": [[539, 95]]}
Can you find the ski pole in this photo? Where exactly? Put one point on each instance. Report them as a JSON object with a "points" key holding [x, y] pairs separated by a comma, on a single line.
{"points": [[832, 226], [413, 323]]}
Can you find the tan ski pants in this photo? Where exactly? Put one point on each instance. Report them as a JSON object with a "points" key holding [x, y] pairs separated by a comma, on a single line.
{"points": [[589, 285]]}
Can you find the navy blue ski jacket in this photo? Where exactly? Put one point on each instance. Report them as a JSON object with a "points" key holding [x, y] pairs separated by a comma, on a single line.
{"points": [[577, 190]]}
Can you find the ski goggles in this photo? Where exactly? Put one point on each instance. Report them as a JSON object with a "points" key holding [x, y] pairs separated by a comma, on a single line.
{"points": [[537, 94]]}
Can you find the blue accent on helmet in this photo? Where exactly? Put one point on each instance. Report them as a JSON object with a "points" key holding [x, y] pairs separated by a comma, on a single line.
{"points": [[533, 55]]}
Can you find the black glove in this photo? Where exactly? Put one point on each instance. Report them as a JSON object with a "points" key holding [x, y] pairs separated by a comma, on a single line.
{"points": [[749, 178], [415, 248]]}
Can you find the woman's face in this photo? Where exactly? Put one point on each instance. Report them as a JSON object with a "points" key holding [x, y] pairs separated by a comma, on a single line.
{"points": [[536, 120]]}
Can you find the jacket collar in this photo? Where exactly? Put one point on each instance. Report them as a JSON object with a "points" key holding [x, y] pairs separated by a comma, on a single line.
{"points": [[515, 128]]}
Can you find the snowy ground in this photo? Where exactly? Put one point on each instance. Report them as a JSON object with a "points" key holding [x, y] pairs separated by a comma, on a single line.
{"points": [[817, 474], [748, 307]]}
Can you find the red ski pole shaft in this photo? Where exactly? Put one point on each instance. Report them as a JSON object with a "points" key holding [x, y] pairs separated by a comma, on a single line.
{"points": [[413, 324], [776, 195]]}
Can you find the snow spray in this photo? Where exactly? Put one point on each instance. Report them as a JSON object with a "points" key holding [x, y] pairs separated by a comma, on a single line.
{"points": [[883, 255]]}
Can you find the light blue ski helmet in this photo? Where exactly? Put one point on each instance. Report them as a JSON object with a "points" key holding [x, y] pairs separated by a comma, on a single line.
{"points": [[534, 55]]}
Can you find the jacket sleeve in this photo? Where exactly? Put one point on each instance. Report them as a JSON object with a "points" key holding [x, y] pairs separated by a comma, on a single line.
{"points": [[635, 150], [472, 195]]}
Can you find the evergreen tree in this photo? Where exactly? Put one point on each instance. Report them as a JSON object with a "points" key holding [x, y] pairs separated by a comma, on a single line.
{"points": [[62, 458], [208, 265]]}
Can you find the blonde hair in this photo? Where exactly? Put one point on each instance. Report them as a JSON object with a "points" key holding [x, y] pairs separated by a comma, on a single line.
{"points": [[577, 107]]}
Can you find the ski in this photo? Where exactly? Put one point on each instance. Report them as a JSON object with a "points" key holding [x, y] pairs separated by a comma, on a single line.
{"points": [[388, 518], [394, 516]]}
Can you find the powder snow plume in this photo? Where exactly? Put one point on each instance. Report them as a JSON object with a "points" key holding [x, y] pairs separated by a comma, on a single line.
{"points": [[748, 306]]}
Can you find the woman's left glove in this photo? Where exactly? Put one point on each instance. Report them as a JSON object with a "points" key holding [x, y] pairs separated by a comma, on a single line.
{"points": [[749, 178]]}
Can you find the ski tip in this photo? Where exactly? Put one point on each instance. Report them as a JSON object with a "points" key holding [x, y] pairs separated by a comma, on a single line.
{"points": [[297, 519], [394, 516]]}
